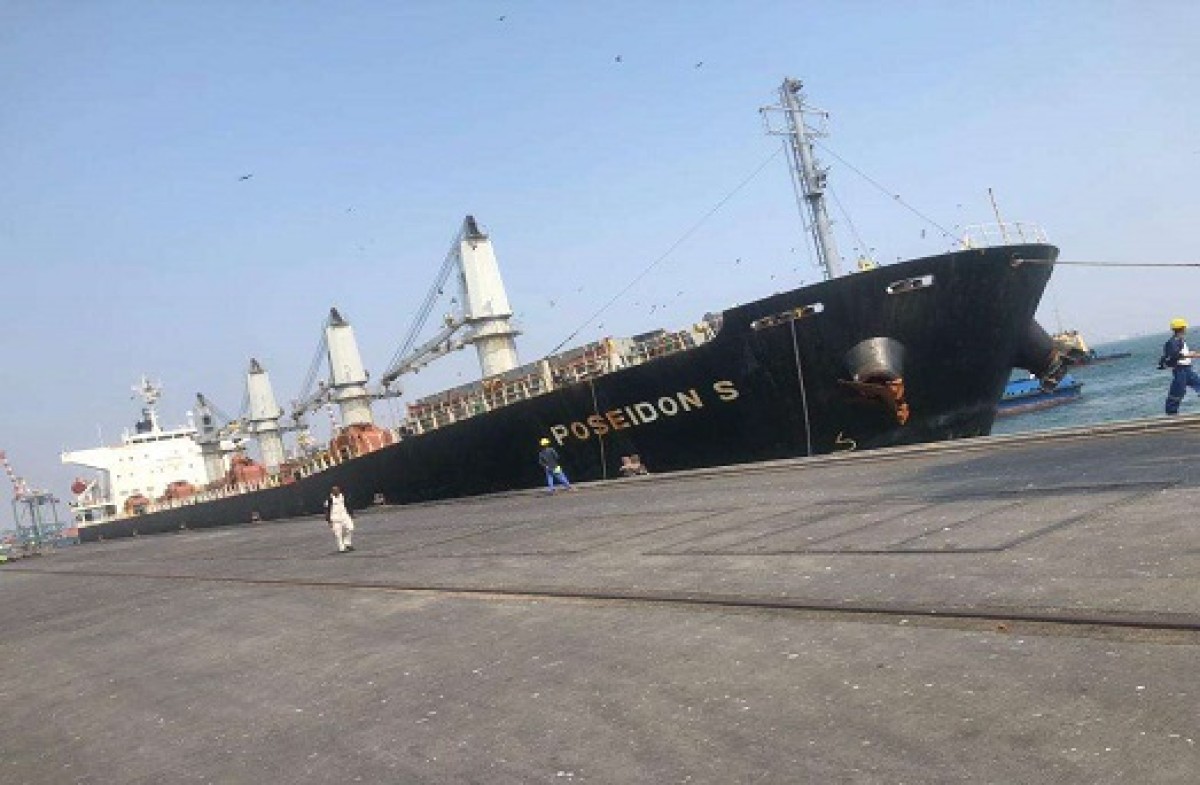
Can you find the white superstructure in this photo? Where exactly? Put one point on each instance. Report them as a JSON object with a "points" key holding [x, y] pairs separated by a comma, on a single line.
{"points": [[144, 464]]}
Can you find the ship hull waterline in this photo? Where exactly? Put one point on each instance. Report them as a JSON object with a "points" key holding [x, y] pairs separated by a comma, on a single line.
{"points": [[769, 385]]}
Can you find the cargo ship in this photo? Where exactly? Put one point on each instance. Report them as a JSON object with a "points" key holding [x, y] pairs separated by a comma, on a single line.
{"points": [[905, 353]]}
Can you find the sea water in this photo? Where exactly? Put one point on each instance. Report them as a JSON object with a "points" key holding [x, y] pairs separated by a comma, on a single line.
{"points": [[1129, 388]]}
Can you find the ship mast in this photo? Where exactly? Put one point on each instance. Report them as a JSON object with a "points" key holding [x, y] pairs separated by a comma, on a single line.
{"points": [[149, 392], [807, 174]]}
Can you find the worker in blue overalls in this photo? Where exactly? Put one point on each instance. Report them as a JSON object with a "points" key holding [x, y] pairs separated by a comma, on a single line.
{"points": [[1178, 358], [548, 460]]}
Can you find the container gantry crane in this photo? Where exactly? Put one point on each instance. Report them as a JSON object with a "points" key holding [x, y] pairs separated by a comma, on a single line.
{"points": [[35, 512]]}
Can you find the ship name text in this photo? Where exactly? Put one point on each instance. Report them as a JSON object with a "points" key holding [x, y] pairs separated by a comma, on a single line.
{"points": [[641, 413]]}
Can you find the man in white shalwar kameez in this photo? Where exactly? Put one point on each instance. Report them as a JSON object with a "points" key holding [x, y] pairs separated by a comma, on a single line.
{"points": [[339, 519]]}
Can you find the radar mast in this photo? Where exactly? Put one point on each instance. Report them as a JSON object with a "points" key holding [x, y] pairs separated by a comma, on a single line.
{"points": [[808, 175]]}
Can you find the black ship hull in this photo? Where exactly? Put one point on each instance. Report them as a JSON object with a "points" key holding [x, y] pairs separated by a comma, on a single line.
{"points": [[800, 373]]}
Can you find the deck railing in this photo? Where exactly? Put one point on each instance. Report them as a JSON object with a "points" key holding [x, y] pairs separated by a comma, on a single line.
{"points": [[1004, 233]]}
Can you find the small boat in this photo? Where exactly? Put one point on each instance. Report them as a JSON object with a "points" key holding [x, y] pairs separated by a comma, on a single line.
{"points": [[1028, 395], [1074, 350]]}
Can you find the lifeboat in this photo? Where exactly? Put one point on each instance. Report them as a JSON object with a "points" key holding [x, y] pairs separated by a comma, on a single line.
{"points": [[360, 438], [136, 504], [243, 470], [180, 489]]}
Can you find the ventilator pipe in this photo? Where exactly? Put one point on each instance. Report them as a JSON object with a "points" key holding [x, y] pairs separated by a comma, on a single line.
{"points": [[1037, 354]]}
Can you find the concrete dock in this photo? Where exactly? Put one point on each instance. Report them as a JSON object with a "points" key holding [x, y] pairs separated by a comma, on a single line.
{"points": [[1003, 610]]}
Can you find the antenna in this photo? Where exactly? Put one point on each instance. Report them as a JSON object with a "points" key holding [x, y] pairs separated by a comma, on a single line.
{"points": [[999, 220]]}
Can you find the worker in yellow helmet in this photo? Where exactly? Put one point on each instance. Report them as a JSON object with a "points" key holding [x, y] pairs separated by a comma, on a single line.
{"points": [[1178, 358], [549, 461]]}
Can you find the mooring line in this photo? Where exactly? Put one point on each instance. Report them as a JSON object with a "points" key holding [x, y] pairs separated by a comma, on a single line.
{"points": [[1106, 264]]}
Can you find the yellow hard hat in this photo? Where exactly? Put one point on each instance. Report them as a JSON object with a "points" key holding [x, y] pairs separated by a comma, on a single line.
{"points": [[1178, 324], [544, 442]]}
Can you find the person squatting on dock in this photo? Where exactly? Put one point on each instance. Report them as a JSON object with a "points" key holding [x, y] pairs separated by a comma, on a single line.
{"points": [[339, 519], [631, 466], [1178, 358], [548, 460]]}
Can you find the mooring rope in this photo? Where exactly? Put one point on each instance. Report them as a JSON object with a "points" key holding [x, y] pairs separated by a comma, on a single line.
{"points": [[1107, 264], [646, 270]]}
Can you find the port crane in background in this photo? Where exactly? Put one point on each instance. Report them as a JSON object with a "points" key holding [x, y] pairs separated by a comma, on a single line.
{"points": [[35, 512]]}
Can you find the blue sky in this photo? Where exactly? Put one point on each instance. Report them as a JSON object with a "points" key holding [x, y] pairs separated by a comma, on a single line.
{"points": [[129, 245]]}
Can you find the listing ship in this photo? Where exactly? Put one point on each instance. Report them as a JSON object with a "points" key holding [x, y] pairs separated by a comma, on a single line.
{"points": [[911, 352]]}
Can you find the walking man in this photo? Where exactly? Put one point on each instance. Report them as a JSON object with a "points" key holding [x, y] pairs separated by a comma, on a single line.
{"points": [[1178, 358], [339, 519], [548, 460]]}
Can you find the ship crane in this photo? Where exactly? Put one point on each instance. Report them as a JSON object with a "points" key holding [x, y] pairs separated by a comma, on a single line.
{"points": [[263, 416], [214, 427], [482, 317], [347, 385]]}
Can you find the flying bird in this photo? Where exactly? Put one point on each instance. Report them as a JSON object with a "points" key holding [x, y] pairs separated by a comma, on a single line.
{"points": [[617, 58], [500, 19], [697, 65], [246, 177]]}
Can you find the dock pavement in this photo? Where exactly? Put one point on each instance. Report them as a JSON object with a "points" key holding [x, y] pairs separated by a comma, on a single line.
{"points": [[999, 610]]}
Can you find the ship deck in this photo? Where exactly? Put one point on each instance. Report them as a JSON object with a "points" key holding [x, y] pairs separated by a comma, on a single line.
{"points": [[1010, 609]]}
